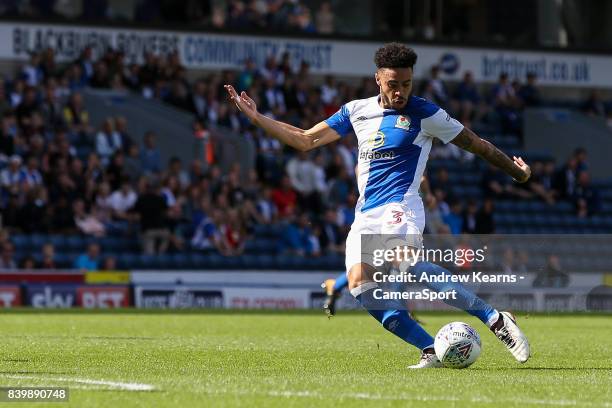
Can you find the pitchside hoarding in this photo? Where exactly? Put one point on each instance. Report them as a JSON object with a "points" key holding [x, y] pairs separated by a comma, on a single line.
{"points": [[10, 296], [86, 296], [163, 296], [217, 51]]}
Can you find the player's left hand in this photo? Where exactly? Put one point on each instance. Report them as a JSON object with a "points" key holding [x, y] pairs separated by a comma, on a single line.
{"points": [[520, 163]]}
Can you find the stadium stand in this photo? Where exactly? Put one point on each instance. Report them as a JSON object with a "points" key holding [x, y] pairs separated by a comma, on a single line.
{"points": [[91, 195]]}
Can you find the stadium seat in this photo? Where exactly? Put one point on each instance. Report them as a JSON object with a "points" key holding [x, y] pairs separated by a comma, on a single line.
{"points": [[21, 242]]}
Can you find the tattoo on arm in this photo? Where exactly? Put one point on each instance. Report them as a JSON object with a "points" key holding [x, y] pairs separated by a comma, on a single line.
{"points": [[467, 140]]}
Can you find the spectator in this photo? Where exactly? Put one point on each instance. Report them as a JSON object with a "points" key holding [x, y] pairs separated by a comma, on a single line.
{"points": [[507, 262], [32, 213], [340, 187], [453, 219], [535, 183], [298, 237], [121, 129], [529, 93], [151, 210], [266, 207], [470, 217], [10, 177], [62, 216], [284, 197], [48, 257], [175, 169], [506, 103], [553, 276], [75, 114], [434, 224], [132, 166], [581, 156], [435, 88], [485, 223], [122, 201], [594, 106], [331, 237], [110, 264], [496, 184], [304, 176], [7, 260], [247, 77], [325, 19], [467, 98], [27, 263], [441, 181], [232, 234], [87, 223], [90, 260], [346, 212], [586, 197], [32, 72], [329, 90], [150, 157], [565, 179], [206, 234], [108, 141], [31, 176], [51, 108]]}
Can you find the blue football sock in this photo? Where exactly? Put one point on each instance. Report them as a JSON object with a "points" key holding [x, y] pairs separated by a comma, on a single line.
{"points": [[464, 300], [396, 320], [341, 283]]}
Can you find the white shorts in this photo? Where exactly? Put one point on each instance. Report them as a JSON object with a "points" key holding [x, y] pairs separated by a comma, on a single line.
{"points": [[385, 227]]}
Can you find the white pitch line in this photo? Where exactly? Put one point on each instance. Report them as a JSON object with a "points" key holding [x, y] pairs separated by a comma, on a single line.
{"points": [[424, 398], [87, 381]]}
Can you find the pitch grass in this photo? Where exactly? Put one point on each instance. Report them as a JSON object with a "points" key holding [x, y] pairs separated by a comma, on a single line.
{"points": [[295, 360]]}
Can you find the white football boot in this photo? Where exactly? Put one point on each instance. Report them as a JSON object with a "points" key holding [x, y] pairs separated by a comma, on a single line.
{"points": [[428, 360], [507, 331]]}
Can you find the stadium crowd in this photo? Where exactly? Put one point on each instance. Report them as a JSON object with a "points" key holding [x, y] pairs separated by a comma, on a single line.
{"points": [[59, 174], [284, 15]]}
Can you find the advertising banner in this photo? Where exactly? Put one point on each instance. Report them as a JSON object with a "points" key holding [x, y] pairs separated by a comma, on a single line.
{"points": [[50, 296], [266, 298], [10, 296], [177, 297], [118, 277], [351, 58], [103, 297]]}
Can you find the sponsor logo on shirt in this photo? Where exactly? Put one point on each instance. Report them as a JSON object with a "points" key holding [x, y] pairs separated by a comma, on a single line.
{"points": [[375, 141], [370, 155]]}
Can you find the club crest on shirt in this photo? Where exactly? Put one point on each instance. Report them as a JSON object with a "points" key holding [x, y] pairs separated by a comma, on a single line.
{"points": [[403, 122]]}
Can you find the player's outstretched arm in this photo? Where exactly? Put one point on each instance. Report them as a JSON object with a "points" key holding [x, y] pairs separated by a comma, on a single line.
{"points": [[515, 167], [304, 140]]}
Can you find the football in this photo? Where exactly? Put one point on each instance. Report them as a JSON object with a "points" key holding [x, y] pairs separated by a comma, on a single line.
{"points": [[457, 345]]}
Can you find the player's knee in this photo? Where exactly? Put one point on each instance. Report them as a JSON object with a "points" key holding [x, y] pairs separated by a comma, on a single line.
{"points": [[358, 275]]}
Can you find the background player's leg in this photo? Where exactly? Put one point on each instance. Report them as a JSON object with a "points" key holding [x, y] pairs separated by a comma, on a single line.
{"points": [[341, 283], [333, 288]]}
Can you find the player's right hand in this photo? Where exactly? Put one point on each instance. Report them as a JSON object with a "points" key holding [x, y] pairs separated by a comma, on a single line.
{"points": [[243, 102], [518, 161]]}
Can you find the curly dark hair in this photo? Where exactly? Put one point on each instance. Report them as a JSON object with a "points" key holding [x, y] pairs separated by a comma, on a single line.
{"points": [[395, 55]]}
